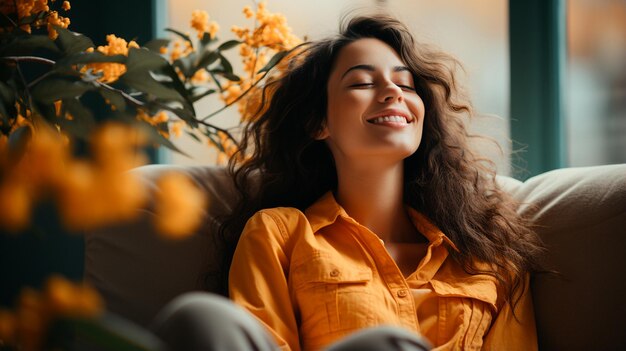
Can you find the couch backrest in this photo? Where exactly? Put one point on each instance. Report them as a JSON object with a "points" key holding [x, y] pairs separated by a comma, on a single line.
{"points": [[580, 214]]}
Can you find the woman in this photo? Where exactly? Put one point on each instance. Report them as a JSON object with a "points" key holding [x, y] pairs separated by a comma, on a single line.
{"points": [[372, 210]]}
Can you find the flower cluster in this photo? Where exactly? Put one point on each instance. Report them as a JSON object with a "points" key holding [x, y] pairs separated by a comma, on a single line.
{"points": [[111, 71], [26, 327], [47, 168], [270, 35], [90, 192], [200, 22], [37, 14]]}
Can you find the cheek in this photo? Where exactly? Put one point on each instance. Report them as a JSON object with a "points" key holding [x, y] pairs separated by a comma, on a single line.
{"points": [[416, 105]]}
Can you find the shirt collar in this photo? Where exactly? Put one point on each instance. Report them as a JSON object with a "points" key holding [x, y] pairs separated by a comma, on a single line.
{"points": [[326, 210]]}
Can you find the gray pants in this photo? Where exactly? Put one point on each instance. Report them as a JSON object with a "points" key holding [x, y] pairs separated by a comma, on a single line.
{"points": [[202, 321]]}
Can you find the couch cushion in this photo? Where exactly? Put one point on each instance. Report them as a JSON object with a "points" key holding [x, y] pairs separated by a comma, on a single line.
{"points": [[136, 270], [580, 214]]}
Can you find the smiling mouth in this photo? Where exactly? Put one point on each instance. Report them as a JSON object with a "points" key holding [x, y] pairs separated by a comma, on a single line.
{"points": [[393, 120]]}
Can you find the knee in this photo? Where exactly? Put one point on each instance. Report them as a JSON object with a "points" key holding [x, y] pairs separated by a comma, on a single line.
{"points": [[203, 321], [193, 309]]}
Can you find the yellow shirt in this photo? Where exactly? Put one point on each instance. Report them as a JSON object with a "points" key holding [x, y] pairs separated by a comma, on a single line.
{"points": [[312, 278]]}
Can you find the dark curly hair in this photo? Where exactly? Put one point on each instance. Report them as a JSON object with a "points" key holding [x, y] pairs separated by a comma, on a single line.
{"points": [[284, 164]]}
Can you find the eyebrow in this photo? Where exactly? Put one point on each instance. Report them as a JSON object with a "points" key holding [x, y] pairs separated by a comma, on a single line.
{"points": [[371, 68]]}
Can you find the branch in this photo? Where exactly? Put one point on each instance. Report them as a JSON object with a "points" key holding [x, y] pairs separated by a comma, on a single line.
{"points": [[28, 59], [138, 103], [236, 100]]}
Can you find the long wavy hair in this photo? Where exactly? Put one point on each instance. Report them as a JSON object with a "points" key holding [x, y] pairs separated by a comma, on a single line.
{"points": [[284, 165]]}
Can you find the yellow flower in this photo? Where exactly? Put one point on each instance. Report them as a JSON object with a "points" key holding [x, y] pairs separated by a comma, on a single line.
{"points": [[176, 128], [43, 162], [8, 327], [93, 194], [66, 5], [64, 298], [269, 36], [55, 20], [112, 71], [27, 327], [201, 76], [247, 11], [179, 206], [213, 29], [31, 320], [15, 205], [200, 22], [114, 147]]}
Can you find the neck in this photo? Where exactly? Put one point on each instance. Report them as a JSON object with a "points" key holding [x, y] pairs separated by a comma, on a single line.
{"points": [[374, 198]]}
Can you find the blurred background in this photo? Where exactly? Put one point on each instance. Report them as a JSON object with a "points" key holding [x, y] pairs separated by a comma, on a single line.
{"points": [[592, 84], [596, 82]]}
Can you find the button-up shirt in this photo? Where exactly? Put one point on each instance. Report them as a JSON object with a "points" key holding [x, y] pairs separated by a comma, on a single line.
{"points": [[312, 278]]}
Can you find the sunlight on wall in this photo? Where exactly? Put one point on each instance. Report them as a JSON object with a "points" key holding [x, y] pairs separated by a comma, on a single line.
{"points": [[476, 32]]}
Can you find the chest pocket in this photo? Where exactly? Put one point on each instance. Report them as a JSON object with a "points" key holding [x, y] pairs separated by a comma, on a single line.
{"points": [[332, 295], [472, 302]]}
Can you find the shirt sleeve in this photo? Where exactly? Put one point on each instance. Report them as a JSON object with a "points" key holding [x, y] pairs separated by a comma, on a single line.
{"points": [[258, 278], [509, 332]]}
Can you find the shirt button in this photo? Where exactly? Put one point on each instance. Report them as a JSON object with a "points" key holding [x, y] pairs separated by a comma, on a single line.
{"points": [[334, 273], [402, 293]]}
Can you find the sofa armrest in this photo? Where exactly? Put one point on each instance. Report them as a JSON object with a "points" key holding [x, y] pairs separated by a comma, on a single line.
{"points": [[580, 214]]}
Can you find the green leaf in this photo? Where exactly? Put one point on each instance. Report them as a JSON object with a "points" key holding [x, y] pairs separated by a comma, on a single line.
{"points": [[207, 39], [115, 98], [228, 45], [215, 142], [145, 83], [217, 82], [195, 98], [186, 64], [108, 332], [141, 60], [52, 89], [155, 137], [32, 18], [274, 61], [186, 116], [83, 122], [232, 77], [156, 44], [207, 58], [194, 136], [26, 44], [179, 87], [89, 57], [7, 102], [228, 68], [70, 42], [181, 34]]}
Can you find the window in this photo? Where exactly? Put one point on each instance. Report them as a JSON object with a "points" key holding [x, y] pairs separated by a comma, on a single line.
{"points": [[595, 113]]}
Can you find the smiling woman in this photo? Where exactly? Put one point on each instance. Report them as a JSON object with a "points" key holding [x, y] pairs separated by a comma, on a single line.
{"points": [[374, 113], [372, 210]]}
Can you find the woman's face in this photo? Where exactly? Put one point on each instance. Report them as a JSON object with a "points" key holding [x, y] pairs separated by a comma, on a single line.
{"points": [[373, 109]]}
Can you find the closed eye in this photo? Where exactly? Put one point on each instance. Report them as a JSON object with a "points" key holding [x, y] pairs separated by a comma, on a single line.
{"points": [[406, 87], [360, 85]]}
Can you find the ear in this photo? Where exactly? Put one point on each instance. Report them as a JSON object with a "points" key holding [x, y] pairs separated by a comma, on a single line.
{"points": [[322, 134]]}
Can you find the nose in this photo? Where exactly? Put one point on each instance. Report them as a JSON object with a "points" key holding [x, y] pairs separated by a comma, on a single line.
{"points": [[390, 93]]}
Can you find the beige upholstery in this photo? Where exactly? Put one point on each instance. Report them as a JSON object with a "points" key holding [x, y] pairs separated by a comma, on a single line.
{"points": [[580, 213]]}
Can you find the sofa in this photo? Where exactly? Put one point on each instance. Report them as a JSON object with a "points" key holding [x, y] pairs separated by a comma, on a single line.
{"points": [[579, 213]]}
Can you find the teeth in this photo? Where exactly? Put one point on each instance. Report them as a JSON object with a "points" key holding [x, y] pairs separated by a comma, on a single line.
{"points": [[392, 119]]}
